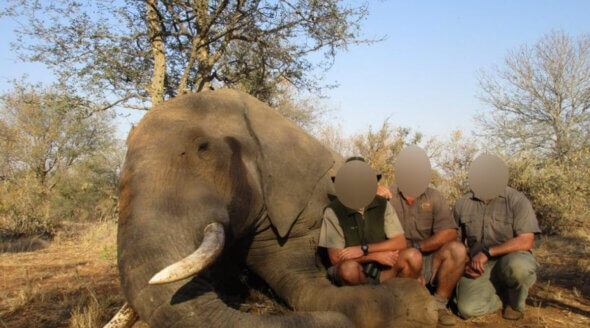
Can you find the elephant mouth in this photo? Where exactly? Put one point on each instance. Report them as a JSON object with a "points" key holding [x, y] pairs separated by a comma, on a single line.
{"points": [[206, 253]]}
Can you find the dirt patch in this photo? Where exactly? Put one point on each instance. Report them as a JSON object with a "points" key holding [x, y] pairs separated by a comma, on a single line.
{"points": [[73, 282]]}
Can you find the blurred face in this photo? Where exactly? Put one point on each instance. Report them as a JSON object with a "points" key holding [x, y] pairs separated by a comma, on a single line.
{"points": [[488, 177], [356, 184], [412, 171]]}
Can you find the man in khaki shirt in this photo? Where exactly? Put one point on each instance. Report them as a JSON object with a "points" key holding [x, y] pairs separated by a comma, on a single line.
{"points": [[430, 228], [372, 262], [500, 235]]}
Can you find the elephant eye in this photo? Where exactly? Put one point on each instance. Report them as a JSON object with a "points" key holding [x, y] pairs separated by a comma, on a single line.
{"points": [[203, 146]]}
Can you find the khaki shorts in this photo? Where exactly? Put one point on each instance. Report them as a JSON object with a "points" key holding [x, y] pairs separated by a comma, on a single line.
{"points": [[427, 268]]}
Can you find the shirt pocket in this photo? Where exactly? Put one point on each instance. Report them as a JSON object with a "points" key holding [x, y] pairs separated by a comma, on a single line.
{"points": [[472, 226], [502, 227], [424, 223]]}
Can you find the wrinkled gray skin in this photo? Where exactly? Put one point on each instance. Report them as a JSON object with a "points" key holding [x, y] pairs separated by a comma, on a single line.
{"points": [[223, 156]]}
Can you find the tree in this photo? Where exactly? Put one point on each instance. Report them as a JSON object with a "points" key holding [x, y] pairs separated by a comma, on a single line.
{"points": [[453, 160], [56, 149], [307, 111], [331, 136], [540, 98], [380, 148], [142, 52], [47, 131]]}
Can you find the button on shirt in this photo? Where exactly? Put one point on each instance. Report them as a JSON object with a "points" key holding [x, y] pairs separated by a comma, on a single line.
{"points": [[332, 236], [428, 214], [503, 218]]}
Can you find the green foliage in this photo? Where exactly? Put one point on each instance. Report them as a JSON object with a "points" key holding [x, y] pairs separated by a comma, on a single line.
{"points": [[143, 52], [24, 209], [60, 160]]}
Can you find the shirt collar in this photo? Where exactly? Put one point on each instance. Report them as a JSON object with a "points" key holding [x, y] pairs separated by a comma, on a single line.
{"points": [[501, 195], [399, 192], [372, 205]]}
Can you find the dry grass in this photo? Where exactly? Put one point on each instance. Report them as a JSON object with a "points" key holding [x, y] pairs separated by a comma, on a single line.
{"points": [[73, 282]]}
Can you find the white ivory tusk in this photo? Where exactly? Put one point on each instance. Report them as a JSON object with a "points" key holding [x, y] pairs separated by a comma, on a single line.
{"points": [[210, 248], [125, 318]]}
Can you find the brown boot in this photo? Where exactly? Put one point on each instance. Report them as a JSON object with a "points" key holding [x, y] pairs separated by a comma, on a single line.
{"points": [[511, 314], [446, 317]]}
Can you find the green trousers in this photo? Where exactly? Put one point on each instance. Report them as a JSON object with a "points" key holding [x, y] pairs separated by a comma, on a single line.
{"points": [[507, 278]]}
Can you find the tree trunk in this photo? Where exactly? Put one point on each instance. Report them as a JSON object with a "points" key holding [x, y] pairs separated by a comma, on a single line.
{"points": [[157, 88]]}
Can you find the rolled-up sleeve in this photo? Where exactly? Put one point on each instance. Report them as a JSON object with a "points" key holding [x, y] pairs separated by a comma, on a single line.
{"points": [[525, 220], [331, 234], [392, 225]]}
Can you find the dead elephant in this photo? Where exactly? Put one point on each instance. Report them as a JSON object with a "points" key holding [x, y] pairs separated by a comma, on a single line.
{"points": [[206, 172]]}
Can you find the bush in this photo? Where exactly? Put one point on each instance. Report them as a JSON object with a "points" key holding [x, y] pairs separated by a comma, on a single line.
{"points": [[559, 190], [59, 161], [24, 209]]}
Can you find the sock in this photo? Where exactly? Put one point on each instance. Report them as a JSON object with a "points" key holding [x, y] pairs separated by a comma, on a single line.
{"points": [[441, 301]]}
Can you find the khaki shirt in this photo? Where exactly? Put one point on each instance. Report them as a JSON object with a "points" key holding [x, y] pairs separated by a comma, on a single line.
{"points": [[504, 218], [428, 214], [332, 236]]}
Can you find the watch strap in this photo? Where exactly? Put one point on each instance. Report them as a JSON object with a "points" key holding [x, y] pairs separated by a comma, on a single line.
{"points": [[365, 249]]}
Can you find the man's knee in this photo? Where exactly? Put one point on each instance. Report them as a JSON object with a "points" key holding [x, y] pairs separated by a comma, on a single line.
{"points": [[412, 257], [454, 251], [349, 272], [519, 269], [474, 301], [470, 308]]}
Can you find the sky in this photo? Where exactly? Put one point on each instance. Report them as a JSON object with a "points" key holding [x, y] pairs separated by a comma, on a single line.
{"points": [[422, 76]]}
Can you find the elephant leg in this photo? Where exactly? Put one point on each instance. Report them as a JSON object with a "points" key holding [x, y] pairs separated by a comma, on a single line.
{"points": [[292, 271]]}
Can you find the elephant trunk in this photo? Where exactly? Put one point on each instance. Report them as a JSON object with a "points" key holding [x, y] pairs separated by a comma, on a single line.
{"points": [[161, 226], [294, 273]]}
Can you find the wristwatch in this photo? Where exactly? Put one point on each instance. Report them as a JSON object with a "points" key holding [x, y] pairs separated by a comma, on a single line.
{"points": [[365, 249], [485, 249]]}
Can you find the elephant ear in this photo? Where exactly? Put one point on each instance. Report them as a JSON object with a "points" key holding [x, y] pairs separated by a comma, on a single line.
{"points": [[291, 163]]}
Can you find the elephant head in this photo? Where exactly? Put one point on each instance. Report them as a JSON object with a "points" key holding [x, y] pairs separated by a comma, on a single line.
{"points": [[204, 171]]}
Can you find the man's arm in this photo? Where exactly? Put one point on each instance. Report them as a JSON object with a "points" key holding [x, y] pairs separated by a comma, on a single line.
{"points": [[436, 241], [522, 242], [386, 258], [392, 244], [396, 243]]}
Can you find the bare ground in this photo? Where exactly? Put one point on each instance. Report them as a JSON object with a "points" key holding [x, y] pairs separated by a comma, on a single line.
{"points": [[73, 282]]}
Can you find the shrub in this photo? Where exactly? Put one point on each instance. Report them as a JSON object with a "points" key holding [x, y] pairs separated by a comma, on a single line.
{"points": [[559, 190]]}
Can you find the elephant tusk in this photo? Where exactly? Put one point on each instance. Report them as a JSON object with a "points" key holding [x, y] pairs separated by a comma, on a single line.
{"points": [[125, 318], [191, 265]]}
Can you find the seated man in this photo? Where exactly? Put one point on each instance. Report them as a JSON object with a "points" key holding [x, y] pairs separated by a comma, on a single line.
{"points": [[429, 227], [500, 234], [366, 244]]}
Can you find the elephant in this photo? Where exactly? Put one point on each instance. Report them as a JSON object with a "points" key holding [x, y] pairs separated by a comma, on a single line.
{"points": [[220, 177]]}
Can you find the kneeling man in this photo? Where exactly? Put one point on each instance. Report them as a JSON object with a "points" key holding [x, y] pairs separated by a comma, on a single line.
{"points": [[366, 245], [499, 228]]}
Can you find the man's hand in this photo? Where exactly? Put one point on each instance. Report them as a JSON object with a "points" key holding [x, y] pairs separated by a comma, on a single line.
{"points": [[478, 261], [350, 253], [384, 192], [388, 258], [471, 272]]}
